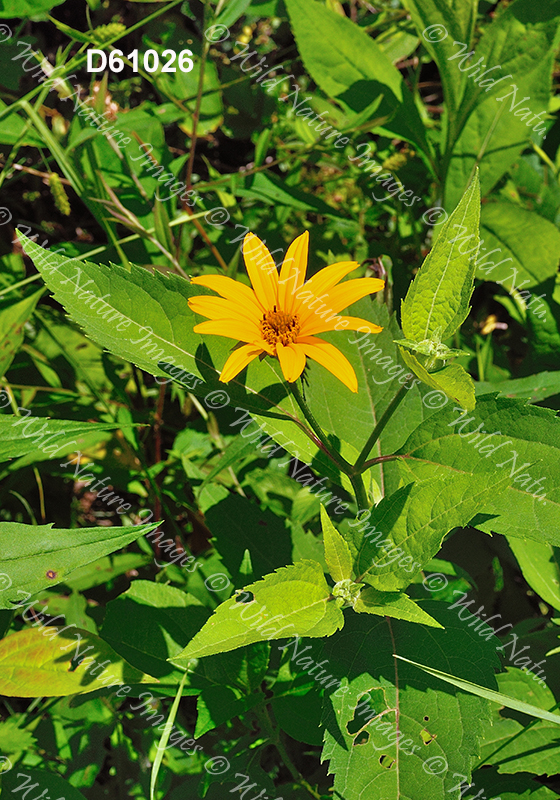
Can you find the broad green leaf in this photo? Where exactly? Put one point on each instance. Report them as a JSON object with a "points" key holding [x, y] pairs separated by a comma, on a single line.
{"points": [[440, 728], [39, 662], [437, 302], [406, 528], [165, 620], [393, 604], [540, 565], [294, 600], [515, 747], [500, 438], [533, 388], [511, 787], [34, 557], [490, 128], [337, 552], [38, 780], [452, 380], [522, 247], [238, 524], [352, 81], [14, 739], [441, 23], [487, 694], [41, 438], [12, 320]]}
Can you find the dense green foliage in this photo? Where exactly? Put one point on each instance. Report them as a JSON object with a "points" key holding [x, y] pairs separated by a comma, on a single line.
{"points": [[269, 588]]}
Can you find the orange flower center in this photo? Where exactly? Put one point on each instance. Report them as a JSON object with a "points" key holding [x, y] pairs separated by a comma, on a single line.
{"points": [[278, 326]]}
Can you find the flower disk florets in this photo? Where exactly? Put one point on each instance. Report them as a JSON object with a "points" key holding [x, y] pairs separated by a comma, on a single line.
{"points": [[278, 326]]}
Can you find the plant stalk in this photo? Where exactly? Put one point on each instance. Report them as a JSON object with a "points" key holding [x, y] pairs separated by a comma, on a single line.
{"points": [[359, 466]]}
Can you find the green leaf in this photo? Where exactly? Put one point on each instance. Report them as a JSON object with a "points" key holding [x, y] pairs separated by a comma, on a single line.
{"points": [[294, 600], [440, 727], [165, 619], [57, 786], [441, 23], [34, 557], [393, 604], [238, 524], [352, 81], [39, 663], [521, 43], [337, 552], [406, 528], [41, 438], [540, 565], [274, 191], [487, 694], [12, 320], [533, 388], [514, 746], [501, 437], [437, 302], [452, 380], [14, 739], [528, 244]]}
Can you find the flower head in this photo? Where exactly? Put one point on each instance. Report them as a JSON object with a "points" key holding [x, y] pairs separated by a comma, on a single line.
{"points": [[280, 314]]}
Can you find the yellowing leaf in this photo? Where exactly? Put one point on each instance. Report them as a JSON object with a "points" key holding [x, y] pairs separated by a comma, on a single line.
{"points": [[42, 663]]}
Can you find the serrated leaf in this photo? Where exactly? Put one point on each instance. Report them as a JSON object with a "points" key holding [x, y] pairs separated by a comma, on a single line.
{"points": [[33, 436], [393, 604], [500, 437], [337, 553], [406, 528], [294, 599], [437, 301], [439, 728], [34, 557], [38, 663]]}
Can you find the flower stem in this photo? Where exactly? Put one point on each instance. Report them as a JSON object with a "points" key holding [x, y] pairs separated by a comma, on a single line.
{"points": [[359, 466], [340, 462]]}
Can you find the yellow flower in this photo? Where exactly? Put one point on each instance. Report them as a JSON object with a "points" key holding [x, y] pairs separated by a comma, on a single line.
{"points": [[280, 315]]}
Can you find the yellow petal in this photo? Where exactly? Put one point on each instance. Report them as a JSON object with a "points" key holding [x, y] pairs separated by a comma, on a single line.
{"points": [[317, 325], [218, 308], [330, 358], [293, 271], [231, 290], [328, 277], [261, 270], [341, 297], [292, 360], [231, 328], [238, 360]]}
